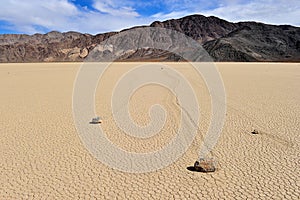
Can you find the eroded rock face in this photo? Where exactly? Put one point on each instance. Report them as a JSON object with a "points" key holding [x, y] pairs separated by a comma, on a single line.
{"points": [[50, 47], [257, 42], [84, 53], [199, 27], [223, 40]]}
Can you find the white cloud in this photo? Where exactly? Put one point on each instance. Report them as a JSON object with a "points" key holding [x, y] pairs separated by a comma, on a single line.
{"points": [[31, 16], [27, 15], [114, 8], [171, 15], [94, 22], [268, 11]]}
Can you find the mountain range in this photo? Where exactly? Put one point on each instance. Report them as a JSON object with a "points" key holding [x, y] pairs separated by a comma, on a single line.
{"points": [[223, 40]]}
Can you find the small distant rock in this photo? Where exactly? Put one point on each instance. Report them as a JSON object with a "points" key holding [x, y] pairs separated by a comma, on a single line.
{"points": [[205, 165], [96, 120], [254, 131]]}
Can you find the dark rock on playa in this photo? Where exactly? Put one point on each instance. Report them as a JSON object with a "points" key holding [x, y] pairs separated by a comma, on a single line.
{"points": [[205, 165]]}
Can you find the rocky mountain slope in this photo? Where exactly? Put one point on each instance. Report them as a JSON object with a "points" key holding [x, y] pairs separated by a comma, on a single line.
{"points": [[199, 27], [223, 40], [257, 42], [50, 47]]}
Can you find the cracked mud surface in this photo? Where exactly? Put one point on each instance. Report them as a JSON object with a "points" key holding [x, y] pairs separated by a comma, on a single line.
{"points": [[42, 156]]}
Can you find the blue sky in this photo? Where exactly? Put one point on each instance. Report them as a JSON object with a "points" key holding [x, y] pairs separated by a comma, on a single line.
{"points": [[97, 16]]}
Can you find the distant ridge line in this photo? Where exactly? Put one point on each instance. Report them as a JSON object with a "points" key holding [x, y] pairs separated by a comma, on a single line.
{"points": [[224, 41]]}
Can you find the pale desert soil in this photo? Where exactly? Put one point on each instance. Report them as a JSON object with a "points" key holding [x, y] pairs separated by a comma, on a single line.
{"points": [[42, 156]]}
